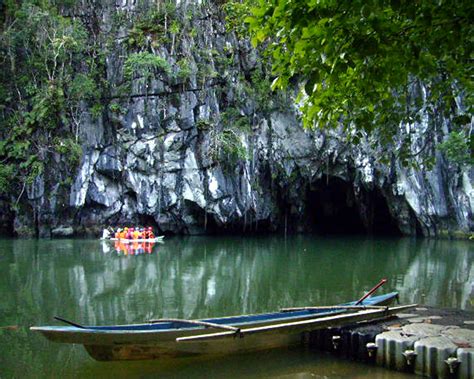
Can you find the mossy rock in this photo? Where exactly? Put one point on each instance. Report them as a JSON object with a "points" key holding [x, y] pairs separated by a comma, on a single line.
{"points": [[62, 231], [455, 234], [25, 232]]}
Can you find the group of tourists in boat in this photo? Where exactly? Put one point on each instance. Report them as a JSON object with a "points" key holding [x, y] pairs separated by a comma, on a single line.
{"points": [[135, 233], [131, 234]]}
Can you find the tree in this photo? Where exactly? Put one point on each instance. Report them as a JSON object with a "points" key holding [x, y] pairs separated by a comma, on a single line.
{"points": [[358, 59], [45, 80]]}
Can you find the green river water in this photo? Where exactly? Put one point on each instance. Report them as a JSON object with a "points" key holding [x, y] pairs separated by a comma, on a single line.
{"points": [[95, 282]]}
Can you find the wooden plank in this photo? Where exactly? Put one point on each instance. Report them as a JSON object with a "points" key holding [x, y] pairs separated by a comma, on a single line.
{"points": [[311, 324], [197, 322], [334, 307]]}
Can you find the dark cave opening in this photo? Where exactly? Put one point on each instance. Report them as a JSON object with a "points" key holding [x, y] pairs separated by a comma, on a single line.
{"points": [[332, 208], [204, 222], [7, 219], [379, 221], [148, 220]]}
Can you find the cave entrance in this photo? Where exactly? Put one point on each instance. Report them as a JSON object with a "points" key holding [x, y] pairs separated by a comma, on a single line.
{"points": [[147, 220], [377, 218], [333, 209]]}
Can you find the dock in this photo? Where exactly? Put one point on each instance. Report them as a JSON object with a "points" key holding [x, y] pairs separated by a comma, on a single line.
{"points": [[429, 342]]}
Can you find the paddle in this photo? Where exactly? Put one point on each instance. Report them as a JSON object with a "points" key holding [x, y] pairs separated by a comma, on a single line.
{"points": [[380, 284], [69, 322]]}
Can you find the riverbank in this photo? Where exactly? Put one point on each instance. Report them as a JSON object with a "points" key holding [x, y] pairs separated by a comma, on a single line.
{"points": [[428, 341]]}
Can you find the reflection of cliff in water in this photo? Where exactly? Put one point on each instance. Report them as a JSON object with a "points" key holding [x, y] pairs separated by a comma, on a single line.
{"points": [[442, 273], [198, 277]]}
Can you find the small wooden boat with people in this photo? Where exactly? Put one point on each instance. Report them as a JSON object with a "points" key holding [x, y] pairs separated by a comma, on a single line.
{"points": [[151, 240], [175, 337], [131, 234]]}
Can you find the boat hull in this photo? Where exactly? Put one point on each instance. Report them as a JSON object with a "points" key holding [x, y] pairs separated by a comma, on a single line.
{"points": [[173, 349], [144, 341], [125, 240]]}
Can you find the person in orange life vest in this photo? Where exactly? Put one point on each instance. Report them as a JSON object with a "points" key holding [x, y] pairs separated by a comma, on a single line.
{"points": [[149, 233], [123, 233], [136, 234], [117, 233]]}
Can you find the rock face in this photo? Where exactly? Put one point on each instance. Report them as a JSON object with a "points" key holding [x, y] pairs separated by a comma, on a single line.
{"points": [[198, 146]]}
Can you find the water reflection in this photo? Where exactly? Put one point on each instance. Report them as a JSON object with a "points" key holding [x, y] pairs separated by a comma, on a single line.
{"points": [[97, 282], [128, 248]]}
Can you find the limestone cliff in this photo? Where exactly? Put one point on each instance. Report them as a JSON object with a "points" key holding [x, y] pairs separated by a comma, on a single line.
{"points": [[197, 145]]}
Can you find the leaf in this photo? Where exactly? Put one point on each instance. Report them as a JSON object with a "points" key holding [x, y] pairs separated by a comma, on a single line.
{"points": [[309, 86], [276, 83]]}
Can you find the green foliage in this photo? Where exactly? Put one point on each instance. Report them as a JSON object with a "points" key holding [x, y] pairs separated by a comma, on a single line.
{"points": [[48, 77], [138, 35], [226, 144], [193, 33], [357, 59], [152, 26], [117, 109], [175, 27], [259, 89], [203, 124], [227, 147], [35, 169], [83, 87], [205, 72], [96, 110], [232, 119], [70, 149], [145, 64], [184, 69], [235, 13], [457, 148], [6, 175]]}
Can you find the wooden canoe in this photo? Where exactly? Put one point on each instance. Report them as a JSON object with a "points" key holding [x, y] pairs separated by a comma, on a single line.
{"points": [[172, 338]]}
